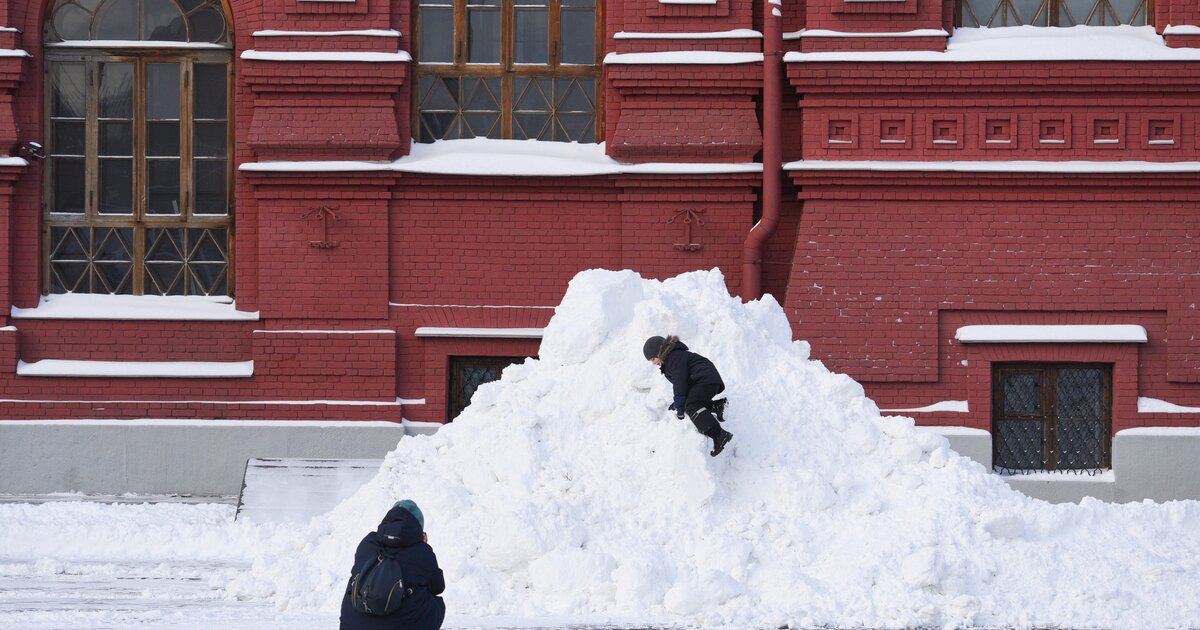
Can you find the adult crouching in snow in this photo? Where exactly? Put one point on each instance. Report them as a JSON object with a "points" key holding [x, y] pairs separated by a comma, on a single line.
{"points": [[401, 535], [695, 381]]}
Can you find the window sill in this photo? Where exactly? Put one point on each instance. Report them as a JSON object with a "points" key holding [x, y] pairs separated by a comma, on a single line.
{"points": [[135, 307]]}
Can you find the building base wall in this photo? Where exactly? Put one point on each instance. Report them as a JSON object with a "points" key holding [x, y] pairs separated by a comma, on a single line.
{"points": [[201, 458], [1160, 464]]}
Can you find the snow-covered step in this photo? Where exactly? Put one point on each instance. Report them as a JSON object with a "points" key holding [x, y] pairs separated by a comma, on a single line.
{"points": [[68, 368], [289, 490]]}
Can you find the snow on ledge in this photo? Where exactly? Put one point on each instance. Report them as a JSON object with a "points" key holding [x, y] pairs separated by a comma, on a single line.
{"points": [[1181, 29], [133, 43], [1059, 333], [979, 166], [323, 55], [13, 161], [734, 34], [1029, 43], [1171, 432], [682, 57], [370, 32], [134, 307], [687, 1], [957, 431], [351, 403], [920, 32], [485, 156], [381, 331], [210, 423], [1154, 405], [1107, 476], [136, 369], [956, 406], [498, 333]]}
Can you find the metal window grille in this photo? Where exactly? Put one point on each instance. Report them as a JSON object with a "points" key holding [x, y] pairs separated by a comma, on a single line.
{"points": [[1052, 417], [993, 13], [468, 373]]}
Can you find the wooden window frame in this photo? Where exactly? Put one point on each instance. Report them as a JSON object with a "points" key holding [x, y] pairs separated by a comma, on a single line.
{"points": [[507, 70], [1049, 378], [1052, 9], [139, 220]]}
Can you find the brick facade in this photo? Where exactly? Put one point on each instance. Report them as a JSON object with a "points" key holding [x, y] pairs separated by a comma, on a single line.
{"points": [[877, 268]]}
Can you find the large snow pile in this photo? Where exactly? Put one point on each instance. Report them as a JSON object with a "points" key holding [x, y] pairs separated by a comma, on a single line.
{"points": [[566, 488]]}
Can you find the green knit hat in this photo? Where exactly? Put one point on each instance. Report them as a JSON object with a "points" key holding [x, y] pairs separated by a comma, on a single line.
{"points": [[412, 508]]}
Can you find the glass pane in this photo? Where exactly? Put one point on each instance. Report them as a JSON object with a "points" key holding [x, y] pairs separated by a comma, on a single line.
{"points": [[207, 245], [211, 140], [164, 279], [114, 245], [162, 21], [208, 25], [68, 184], [116, 186], [71, 22], [574, 95], [116, 90], [439, 94], [532, 94], [531, 36], [116, 138], [117, 20], [211, 182], [210, 99], [206, 279], [531, 126], [483, 35], [162, 186], [67, 244], [578, 3], [576, 128], [437, 35], [482, 94], [190, 5], [164, 245], [579, 37], [1023, 394], [67, 138], [481, 125], [162, 91], [69, 90], [439, 126], [164, 139]]}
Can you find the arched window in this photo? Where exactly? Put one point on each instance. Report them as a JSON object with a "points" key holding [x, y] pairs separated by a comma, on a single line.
{"points": [[991, 13], [524, 69], [137, 190]]}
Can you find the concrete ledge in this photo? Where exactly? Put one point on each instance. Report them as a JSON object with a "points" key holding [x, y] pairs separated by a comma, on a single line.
{"points": [[201, 457]]}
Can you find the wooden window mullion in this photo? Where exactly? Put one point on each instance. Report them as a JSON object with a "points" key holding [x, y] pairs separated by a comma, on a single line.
{"points": [[92, 134], [554, 39], [186, 132]]}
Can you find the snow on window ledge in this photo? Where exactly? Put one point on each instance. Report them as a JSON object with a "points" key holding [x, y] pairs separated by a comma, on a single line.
{"points": [[709, 2], [682, 57], [1181, 29], [321, 55], [734, 34], [498, 333], [136, 369], [1154, 405], [370, 32], [956, 406], [135, 307], [1064, 333]]}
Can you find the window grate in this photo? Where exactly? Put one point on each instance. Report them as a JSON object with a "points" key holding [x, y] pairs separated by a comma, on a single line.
{"points": [[1052, 417], [994, 13], [467, 374]]}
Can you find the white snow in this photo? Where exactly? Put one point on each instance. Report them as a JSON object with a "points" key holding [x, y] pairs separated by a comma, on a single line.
{"points": [[369, 32], [491, 157], [1181, 29], [370, 403], [944, 405], [683, 57], [326, 55], [378, 331], [567, 492], [509, 333], [1029, 43], [13, 161], [1060, 476], [1193, 432], [982, 166], [136, 369], [740, 33], [920, 32], [134, 307], [409, 305], [1154, 405], [133, 43], [948, 430], [1064, 333], [687, 1]]}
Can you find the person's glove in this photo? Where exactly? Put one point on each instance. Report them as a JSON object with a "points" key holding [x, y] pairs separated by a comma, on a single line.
{"points": [[678, 412]]}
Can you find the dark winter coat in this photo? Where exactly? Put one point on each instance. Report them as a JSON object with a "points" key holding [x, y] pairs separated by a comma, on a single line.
{"points": [[687, 371], [422, 610]]}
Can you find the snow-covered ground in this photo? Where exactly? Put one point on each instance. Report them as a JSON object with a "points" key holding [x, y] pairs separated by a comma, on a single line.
{"points": [[567, 494]]}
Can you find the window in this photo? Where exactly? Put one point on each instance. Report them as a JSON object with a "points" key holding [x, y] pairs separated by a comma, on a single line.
{"points": [[523, 69], [1051, 417], [991, 13], [137, 118], [468, 373]]}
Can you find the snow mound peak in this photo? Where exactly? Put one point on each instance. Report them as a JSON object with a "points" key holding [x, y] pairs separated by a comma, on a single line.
{"points": [[567, 489]]}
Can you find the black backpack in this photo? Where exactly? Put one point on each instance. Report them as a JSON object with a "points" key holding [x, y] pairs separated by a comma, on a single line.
{"points": [[377, 586]]}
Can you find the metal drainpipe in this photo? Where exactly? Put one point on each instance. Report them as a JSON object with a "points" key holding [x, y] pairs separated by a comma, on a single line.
{"points": [[772, 178]]}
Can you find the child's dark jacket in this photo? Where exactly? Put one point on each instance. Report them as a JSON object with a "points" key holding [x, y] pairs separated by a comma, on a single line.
{"points": [[422, 610], [686, 370]]}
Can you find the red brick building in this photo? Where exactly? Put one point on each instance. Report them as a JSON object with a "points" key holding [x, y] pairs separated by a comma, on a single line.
{"points": [[239, 210]]}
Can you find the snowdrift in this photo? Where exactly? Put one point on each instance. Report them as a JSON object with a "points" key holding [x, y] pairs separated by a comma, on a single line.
{"points": [[567, 490]]}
